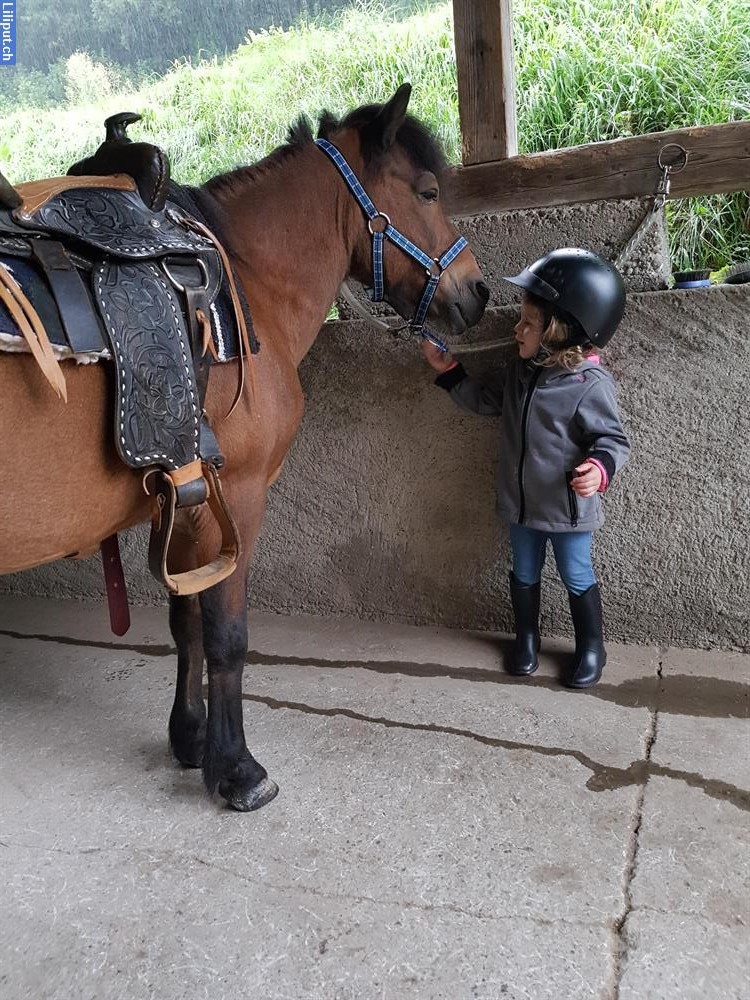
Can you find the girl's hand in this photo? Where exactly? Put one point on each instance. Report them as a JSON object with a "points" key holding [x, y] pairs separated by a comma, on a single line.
{"points": [[441, 361], [588, 480]]}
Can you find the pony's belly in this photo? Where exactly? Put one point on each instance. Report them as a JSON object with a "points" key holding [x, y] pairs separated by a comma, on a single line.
{"points": [[33, 537], [41, 530], [62, 487]]}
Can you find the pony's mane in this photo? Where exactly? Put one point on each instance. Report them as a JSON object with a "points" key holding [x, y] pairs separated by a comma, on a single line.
{"points": [[414, 138]]}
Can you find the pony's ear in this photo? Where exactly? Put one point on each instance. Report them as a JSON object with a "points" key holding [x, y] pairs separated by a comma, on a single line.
{"points": [[391, 117]]}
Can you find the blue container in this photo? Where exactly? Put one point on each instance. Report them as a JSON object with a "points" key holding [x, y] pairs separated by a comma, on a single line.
{"points": [[691, 279]]}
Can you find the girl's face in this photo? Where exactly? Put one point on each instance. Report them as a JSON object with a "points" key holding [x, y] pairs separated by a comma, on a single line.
{"points": [[529, 329]]}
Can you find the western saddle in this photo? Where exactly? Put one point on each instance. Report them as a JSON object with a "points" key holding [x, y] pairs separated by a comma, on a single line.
{"points": [[134, 276]]}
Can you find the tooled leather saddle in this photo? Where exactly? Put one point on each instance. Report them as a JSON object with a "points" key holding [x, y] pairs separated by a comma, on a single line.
{"points": [[106, 262]]}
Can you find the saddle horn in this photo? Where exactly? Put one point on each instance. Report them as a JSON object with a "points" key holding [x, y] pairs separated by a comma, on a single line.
{"points": [[145, 163], [116, 126]]}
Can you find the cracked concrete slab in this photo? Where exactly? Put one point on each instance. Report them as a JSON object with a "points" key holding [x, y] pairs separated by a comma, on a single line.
{"points": [[687, 933], [227, 936], [692, 857], [704, 704], [441, 832], [677, 957]]}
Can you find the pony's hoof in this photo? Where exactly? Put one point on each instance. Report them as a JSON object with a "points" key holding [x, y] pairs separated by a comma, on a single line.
{"points": [[252, 798]]}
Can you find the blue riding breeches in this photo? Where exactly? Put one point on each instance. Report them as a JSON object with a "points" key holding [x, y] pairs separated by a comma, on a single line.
{"points": [[572, 555]]}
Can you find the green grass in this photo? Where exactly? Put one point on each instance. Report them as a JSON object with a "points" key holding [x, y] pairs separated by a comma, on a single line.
{"points": [[586, 70]]}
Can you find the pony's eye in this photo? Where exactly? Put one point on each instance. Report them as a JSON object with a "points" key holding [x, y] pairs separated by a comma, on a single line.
{"points": [[431, 194]]}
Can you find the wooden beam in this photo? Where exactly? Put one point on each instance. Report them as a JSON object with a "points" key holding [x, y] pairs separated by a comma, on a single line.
{"points": [[718, 162], [486, 79]]}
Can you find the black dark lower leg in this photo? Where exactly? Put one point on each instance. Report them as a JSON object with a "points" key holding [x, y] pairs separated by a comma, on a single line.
{"points": [[187, 723], [228, 765]]}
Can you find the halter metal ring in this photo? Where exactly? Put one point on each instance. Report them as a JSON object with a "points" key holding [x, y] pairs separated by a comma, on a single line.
{"points": [[435, 269], [680, 164], [378, 215]]}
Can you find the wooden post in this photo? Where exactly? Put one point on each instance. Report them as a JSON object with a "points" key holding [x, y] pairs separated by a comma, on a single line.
{"points": [[486, 79]]}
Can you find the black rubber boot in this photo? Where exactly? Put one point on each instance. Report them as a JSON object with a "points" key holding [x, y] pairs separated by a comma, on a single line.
{"points": [[590, 655], [523, 659]]}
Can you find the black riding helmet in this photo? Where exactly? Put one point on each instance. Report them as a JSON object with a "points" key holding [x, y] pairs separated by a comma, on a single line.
{"points": [[579, 285]]}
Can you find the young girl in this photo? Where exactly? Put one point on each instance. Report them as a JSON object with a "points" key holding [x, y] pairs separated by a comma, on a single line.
{"points": [[561, 442]]}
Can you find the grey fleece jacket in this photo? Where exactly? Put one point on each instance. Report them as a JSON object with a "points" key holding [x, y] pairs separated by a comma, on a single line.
{"points": [[552, 419]]}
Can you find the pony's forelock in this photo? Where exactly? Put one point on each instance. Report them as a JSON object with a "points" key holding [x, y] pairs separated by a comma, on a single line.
{"points": [[414, 138]]}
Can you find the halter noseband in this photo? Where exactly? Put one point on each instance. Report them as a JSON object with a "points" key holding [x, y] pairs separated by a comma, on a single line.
{"points": [[433, 266]]}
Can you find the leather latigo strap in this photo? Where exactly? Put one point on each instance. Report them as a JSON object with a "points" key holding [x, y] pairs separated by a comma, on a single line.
{"points": [[73, 301], [28, 322], [202, 346], [193, 484], [244, 338]]}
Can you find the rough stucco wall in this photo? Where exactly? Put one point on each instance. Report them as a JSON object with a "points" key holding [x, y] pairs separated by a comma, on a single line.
{"points": [[505, 243], [388, 494], [386, 505]]}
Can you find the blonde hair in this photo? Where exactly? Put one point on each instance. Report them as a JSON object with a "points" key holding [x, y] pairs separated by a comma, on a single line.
{"points": [[557, 333]]}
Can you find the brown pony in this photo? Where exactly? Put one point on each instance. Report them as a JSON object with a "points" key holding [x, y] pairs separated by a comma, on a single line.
{"points": [[294, 232]]}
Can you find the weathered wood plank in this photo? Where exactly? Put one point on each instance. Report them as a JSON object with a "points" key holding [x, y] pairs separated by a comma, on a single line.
{"points": [[719, 162], [486, 79]]}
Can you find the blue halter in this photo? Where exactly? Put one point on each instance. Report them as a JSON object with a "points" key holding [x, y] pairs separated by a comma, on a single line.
{"points": [[433, 266]]}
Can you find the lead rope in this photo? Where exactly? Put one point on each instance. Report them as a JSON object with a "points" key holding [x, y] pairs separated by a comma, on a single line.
{"points": [[659, 200]]}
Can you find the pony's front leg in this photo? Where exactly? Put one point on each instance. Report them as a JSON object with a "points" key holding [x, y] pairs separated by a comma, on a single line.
{"points": [[187, 723], [227, 762]]}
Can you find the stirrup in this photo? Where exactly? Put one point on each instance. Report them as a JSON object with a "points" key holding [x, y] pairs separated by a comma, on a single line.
{"points": [[190, 486]]}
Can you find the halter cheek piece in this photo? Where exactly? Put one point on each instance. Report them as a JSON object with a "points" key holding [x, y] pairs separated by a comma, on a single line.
{"points": [[381, 229]]}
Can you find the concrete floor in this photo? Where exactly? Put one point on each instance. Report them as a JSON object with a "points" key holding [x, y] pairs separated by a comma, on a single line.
{"points": [[442, 831]]}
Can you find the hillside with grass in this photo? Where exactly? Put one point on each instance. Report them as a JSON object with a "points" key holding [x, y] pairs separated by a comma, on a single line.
{"points": [[586, 71]]}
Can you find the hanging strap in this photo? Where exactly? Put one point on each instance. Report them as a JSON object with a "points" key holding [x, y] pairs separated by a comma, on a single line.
{"points": [[243, 340], [25, 316], [114, 579]]}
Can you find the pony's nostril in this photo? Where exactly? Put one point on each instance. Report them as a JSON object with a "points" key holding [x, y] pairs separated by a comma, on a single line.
{"points": [[482, 291]]}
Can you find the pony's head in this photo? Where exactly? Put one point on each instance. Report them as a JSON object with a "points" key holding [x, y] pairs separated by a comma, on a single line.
{"points": [[399, 164]]}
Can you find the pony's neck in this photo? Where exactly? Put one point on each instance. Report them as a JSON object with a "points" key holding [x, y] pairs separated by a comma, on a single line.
{"points": [[289, 229]]}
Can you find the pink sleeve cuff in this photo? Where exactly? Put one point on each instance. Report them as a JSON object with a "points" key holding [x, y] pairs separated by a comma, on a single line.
{"points": [[605, 478]]}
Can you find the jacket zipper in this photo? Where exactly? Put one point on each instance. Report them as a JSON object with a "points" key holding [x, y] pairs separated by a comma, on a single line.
{"points": [[524, 425], [572, 502]]}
